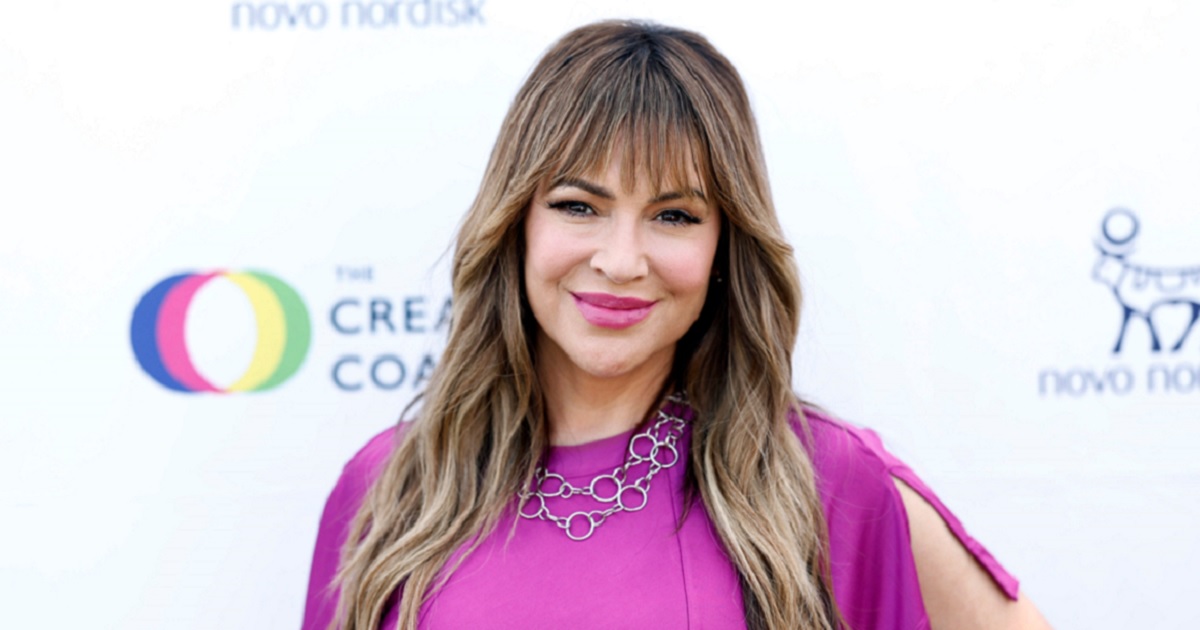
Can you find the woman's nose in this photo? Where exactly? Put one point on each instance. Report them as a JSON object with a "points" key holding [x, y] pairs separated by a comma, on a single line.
{"points": [[620, 251]]}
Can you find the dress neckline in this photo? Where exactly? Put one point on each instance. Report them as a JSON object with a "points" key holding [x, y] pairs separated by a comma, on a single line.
{"points": [[604, 454], [590, 458]]}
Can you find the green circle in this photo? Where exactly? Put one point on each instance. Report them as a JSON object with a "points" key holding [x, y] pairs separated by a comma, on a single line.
{"points": [[297, 330]]}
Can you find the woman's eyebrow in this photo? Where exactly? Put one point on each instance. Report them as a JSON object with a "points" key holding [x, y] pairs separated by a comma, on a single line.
{"points": [[671, 196], [604, 193], [586, 186]]}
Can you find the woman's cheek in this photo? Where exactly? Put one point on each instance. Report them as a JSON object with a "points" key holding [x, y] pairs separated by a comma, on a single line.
{"points": [[686, 269], [550, 252]]}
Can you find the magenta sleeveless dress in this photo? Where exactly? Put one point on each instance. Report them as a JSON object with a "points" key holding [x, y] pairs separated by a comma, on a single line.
{"points": [[640, 569]]}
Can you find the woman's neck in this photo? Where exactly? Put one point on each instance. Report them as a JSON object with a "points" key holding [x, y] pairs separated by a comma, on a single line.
{"points": [[581, 407]]}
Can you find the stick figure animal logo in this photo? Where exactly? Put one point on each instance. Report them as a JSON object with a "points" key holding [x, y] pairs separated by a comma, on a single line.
{"points": [[1142, 290]]}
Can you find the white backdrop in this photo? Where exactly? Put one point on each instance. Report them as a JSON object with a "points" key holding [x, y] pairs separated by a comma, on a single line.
{"points": [[943, 168]]}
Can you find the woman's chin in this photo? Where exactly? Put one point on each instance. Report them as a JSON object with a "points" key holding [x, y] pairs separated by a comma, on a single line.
{"points": [[609, 365], [605, 368]]}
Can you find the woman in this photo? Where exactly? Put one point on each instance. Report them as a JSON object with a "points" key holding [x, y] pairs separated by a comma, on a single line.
{"points": [[611, 438]]}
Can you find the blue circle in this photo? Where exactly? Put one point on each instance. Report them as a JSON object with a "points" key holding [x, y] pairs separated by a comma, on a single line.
{"points": [[143, 332], [1108, 219]]}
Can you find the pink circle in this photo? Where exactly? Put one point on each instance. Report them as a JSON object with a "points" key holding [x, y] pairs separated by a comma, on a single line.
{"points": [[172, 344]]}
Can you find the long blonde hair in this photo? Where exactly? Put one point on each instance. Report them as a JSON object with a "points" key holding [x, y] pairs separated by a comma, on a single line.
{"points": [[675, 105]]}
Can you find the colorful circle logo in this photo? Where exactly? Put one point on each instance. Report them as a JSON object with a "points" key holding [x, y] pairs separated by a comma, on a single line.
{"points": [[157, 332]]}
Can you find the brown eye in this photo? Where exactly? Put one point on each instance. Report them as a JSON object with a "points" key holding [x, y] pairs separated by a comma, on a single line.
{"points": [[572, 208], [676, 216]]}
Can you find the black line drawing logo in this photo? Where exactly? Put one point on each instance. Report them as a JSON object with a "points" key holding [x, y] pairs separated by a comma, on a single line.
{"points": [[1142, 290]]}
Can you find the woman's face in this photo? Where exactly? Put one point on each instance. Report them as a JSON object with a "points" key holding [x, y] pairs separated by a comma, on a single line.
{"points": [[615, 277]]}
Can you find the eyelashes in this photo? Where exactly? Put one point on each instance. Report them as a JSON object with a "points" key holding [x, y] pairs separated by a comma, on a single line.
{"points": [[677, 216], [572, 208], [672, 216]]}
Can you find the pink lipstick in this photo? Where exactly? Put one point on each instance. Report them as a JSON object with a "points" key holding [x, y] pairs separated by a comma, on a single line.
{"points": [[612, 311]]}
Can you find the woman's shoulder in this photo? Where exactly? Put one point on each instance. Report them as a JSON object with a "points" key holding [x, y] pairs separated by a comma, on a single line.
{"points": [[367, 463], [343, 503], [857, 479], [824, 434], [361, 471], [847, 459]]}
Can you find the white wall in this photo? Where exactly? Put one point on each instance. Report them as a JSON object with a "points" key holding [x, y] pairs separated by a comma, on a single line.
{"points": [[943, 169]]}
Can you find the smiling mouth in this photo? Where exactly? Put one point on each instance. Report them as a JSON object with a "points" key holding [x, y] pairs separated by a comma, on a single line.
{"points": [[612, 311]]}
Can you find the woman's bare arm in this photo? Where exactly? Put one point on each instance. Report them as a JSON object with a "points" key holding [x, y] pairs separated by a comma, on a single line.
{"points": [[958, 593]]}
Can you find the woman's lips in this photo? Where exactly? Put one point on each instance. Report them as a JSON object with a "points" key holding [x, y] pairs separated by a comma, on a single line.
{"points": [[612, 311]]}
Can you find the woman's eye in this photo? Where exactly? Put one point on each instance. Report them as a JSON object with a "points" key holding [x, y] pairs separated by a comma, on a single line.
{"points": [[572, 208], [677, 217]]}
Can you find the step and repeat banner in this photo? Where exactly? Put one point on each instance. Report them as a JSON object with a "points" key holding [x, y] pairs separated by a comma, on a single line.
{"points": [[226, 229]]}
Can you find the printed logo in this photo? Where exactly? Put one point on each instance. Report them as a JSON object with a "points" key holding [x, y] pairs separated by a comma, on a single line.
{"points": [[362, 15], [1160, 302], [1140, 290], [160, 346]]}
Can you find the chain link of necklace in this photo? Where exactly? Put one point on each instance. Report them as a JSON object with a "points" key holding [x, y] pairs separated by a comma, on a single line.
{"points": [[656, 445]]}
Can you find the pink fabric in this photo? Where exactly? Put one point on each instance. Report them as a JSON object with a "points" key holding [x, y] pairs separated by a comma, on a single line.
{"points": [[871, 441], [642, 570]]}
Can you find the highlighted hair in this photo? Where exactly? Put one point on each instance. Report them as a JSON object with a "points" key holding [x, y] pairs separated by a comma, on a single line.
{"points": [[670, 104]]}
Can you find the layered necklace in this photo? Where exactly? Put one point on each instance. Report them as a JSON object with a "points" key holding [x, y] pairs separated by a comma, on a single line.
{"points": [[656, 446]]}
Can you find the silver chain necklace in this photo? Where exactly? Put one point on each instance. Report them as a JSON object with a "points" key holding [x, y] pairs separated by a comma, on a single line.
{"points": [[655, 445]]}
